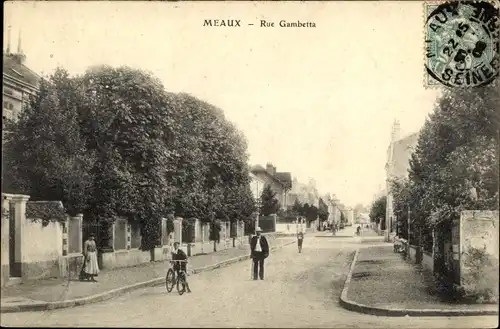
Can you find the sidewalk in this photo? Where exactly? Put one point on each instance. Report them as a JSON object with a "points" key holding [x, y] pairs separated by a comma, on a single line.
{"points": [[381, 282], [59, 290]]}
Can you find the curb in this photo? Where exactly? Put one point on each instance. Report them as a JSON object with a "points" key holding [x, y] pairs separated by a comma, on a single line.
{"points": [[45, 306], [398, 312]]}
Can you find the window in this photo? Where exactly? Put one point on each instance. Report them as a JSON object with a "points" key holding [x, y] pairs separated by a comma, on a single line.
{"points": [[8, 114], [8, 110], [8, 106]]}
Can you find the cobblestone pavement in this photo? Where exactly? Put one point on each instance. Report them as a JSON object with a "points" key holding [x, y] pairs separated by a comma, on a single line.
{"points": [[300, 290]]}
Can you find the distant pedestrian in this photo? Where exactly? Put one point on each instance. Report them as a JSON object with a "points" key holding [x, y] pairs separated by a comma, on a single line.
{"points": [[259, 252], [300, 240], [90, 267]]}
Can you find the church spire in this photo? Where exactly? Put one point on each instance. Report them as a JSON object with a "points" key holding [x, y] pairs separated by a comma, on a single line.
{"points": [[19, 44]]}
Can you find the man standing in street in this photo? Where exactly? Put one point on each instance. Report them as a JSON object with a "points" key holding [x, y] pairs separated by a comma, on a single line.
{"points": [[259, 251]]}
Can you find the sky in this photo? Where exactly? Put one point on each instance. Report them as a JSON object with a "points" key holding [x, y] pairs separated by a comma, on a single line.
{"points": [[316, 102]]}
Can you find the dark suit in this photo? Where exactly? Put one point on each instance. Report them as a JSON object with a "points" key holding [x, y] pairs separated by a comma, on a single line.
{"points": [[259, 256], [180, 255]]}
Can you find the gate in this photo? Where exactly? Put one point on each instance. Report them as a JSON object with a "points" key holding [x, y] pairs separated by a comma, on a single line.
{"points": [[92, 227]]}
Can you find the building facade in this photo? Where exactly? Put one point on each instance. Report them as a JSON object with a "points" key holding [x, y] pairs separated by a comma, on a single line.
{"points": [[304, 193], [280, 182], [398, 162], [19, 82], [256, 185]]}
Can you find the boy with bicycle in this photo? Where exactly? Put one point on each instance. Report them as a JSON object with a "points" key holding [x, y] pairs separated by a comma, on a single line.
{"points": [[179, 260]]}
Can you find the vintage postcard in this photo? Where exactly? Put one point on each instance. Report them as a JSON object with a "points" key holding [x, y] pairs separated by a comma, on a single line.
{"points": [[250, 164]]}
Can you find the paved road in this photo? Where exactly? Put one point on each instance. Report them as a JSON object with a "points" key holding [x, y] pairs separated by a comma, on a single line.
{"points": [[300, 290]]}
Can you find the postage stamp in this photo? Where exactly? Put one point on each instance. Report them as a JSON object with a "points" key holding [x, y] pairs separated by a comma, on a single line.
{"points": [[461, 43]]}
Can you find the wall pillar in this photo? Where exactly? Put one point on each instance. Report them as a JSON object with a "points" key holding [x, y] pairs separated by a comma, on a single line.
{"points": [[79, 219], [241, 230], [5, 257], [274, 216], [128, 235], [20, 222], [197, 230], [178, 230], [203, 228], [65, 226]]}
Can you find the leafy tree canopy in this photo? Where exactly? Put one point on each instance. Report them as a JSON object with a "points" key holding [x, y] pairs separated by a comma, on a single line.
{"points": [[112, 142], [269, 203], [377, 211]]}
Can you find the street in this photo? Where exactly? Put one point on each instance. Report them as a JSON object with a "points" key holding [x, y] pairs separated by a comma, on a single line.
{"points": [[299, 290]]}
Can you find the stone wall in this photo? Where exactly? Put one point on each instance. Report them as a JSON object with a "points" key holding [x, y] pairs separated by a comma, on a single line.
{"points": [[428, 262], [268, 223], [479, 255], [42, 247]]}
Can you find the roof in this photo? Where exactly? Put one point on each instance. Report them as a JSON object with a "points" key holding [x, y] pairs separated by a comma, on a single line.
{"points": [[260, 169], [409, 140], [257, 168], [285, 177], [13, 68]]}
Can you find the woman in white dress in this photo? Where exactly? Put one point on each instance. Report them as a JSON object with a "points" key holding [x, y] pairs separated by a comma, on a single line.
{"points": [[90, 266]]}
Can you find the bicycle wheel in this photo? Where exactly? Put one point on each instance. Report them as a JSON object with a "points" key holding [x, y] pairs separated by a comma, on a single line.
{"points": [[181, 284], [170, 280]]}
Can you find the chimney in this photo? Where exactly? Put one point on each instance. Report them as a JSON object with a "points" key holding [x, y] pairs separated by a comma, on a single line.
{"points": [[19, 58], [395, 131], [270, 168]]}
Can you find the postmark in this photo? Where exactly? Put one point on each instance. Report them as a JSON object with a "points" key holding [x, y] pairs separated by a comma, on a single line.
{"points": [[461, 43]]}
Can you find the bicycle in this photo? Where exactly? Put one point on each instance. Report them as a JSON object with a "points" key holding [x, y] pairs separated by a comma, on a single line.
{"points": [[171, 280]]}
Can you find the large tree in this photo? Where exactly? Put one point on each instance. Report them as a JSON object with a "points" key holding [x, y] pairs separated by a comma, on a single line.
{"points": [[455, 165], [377, 211], [323, 210], [113, 143], [45, 153], [296, 208], [269, 203]]}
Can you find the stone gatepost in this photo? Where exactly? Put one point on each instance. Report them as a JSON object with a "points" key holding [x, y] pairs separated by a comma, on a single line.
{"points": [[20, 222], [274, 216]]}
